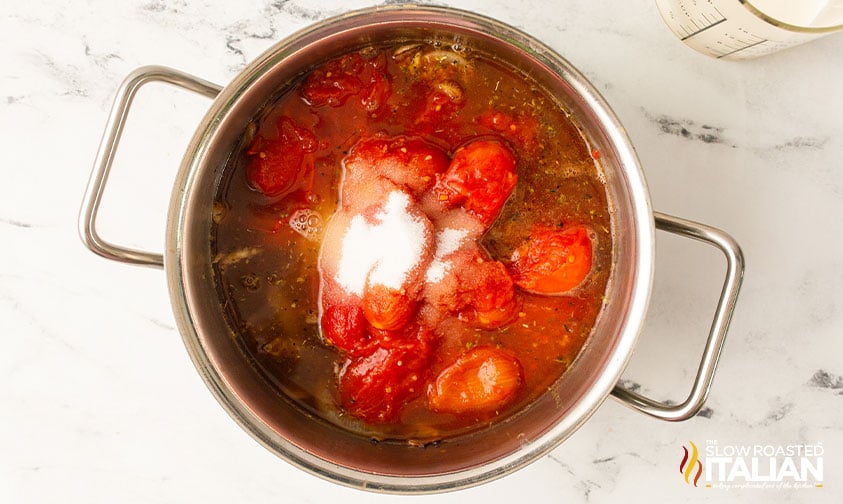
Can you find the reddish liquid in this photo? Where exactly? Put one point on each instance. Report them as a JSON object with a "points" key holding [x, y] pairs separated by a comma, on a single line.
{"points": [[267, 272]]}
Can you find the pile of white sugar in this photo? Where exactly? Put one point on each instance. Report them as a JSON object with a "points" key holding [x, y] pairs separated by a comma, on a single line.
{"points": [[385, 251], [448, 240]]}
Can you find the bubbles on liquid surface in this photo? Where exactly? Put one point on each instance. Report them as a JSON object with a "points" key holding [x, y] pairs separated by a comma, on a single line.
{"points": [[307, 223]]}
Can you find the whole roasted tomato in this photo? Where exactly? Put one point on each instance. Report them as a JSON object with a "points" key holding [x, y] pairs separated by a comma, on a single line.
{"points": [[478, 381], [478, 290], [347, 76], [276, 163], [388, 308], [408, 162], [344, 326], [374, 387], [480, 178], [553, 260], [492, 296]]}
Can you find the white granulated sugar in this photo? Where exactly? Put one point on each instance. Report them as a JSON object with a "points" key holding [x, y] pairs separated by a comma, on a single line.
{"points": [[357, 258], [384, 252], [448, 241], [436, 271]]}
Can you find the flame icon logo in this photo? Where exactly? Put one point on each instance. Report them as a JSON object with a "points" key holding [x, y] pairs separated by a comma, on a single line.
{"points": [[691, 461]]}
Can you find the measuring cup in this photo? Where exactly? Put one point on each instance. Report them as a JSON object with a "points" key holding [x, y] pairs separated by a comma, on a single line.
{"points": [[740, 29]]}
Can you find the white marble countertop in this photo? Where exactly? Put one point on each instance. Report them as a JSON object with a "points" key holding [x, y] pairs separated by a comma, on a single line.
{"points": [[102, 404]]}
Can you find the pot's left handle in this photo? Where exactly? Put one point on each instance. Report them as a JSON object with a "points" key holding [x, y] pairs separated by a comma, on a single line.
{"points": [[105, 156]]}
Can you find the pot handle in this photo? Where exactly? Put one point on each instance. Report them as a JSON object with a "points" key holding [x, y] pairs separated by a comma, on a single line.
{"points": [[105, 156], [717, 334]]}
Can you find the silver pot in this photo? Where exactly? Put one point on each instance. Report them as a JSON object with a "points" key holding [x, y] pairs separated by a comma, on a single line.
{"points": [[321, 448]]}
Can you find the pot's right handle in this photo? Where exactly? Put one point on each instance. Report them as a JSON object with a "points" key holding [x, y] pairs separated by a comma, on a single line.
{"points": [[105, 157], [717, 334]]}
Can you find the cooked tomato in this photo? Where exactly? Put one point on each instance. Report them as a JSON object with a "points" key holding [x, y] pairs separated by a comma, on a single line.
{"points": [[491, 294], [388, 308], [344, 326], [553, 260], [383, 326], [334, 83], [276, 163], [375, 386], [481, 380], [407, 162], [479, 291], [348, 76], [480, 178]]}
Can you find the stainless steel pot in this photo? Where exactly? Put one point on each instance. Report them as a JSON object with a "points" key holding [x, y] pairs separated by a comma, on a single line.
{"points": [[315, 445]]}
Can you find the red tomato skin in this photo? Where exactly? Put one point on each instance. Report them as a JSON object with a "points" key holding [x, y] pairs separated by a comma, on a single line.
{"points": [[408, 162], [480, 380], [352, 75], [344, 327], [386, 308], [553, 260], [493, 300], [480, 178], [335, 82], [478, 290], [374, 387], [276, 165]]}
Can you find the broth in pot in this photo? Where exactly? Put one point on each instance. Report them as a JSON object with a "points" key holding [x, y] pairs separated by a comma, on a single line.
{"points": [[412, 241]]}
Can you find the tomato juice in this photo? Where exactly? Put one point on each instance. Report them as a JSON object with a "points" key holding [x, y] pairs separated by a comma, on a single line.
{"points": [[472, 205]]}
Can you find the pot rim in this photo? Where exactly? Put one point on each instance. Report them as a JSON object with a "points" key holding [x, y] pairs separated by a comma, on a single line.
{"points": [[643, 262]]}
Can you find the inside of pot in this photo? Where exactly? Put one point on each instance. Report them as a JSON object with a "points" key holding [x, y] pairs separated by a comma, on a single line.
{"points": [[313, 443]]}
